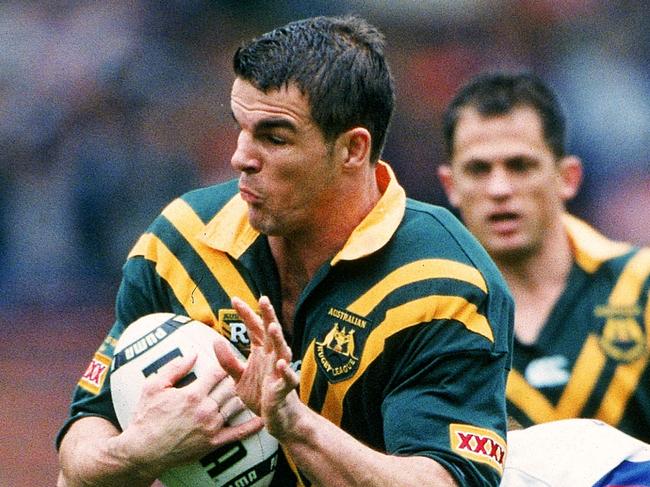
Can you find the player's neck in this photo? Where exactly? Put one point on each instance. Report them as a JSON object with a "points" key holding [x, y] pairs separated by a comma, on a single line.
{"points": [[536, 283], [299, 256], [304, 251], [548, 265]]}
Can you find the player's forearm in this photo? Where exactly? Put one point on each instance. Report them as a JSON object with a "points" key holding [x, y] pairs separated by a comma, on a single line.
{"points": [[91, 455], [328, 456]]}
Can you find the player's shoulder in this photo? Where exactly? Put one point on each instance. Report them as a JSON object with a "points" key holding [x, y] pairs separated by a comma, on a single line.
{"points": [[183, 220], [595, 252], [574, 451], [635, 262], [604, 257], [207, 201], [202, 203], [444, 236], [424, 219]]}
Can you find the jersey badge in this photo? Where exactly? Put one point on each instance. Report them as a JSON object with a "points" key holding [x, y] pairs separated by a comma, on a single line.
{"points": [[93, 378], [547, 371], [622, 338], [232, 327], [337, 353], [478, 444]]}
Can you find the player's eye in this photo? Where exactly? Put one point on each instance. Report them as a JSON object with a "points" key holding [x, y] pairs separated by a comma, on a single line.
{"points": [[477, 168], [276, 140], [520, 164]]}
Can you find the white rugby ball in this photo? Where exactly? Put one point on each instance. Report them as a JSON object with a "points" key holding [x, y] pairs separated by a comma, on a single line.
{"points": [[146, 345]]}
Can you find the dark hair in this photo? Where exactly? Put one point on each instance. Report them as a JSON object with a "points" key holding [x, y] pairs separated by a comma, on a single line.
{"points": [[494, 94], [338, 63]]}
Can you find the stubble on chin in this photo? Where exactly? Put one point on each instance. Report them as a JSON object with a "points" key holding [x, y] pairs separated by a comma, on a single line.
{"points": [[264, 224], [511, 255]]}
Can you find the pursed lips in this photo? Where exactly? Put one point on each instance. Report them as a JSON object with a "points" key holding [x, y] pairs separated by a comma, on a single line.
{"points": [[248, 195]]}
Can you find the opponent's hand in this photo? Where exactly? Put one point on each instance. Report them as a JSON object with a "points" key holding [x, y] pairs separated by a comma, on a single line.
{"points": [[174, 425], [265, 382]]}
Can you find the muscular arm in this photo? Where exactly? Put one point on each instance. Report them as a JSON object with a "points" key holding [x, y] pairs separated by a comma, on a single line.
{"points": [[324, 452], [329, 456], [91, 455], [170, 426]]}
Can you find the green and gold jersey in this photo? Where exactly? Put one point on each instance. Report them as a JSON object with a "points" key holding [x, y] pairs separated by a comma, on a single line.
{"points": [[591, 358], [402, 339]]}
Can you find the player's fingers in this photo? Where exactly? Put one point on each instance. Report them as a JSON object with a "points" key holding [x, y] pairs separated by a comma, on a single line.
{"points": [[267, 311], [211, 376], [278, 342], [289, 375], [173, 371], [239, 431], [269, 319], [228, 360], [223, 391], [252, 320], [231, 407]]}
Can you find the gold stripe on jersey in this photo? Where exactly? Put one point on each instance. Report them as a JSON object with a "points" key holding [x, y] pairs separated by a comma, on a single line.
{"points": [[629, 286], [539, 409], [141, 246], [307, 372], [529, 400], [172, 271], [398, 319], [626, 292], [623, 384], [590, 364], [413, 272], [229, 230], [586, 371], [186, 221], [591, 248]]}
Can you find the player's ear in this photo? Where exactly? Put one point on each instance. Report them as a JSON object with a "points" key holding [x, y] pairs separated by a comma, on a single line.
{"points": [[447, 182], [355, 146], [571, 176]]}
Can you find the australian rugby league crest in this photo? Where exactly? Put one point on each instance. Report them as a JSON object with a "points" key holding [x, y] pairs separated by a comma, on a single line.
{"points": [[338, 350], [622, 337]]}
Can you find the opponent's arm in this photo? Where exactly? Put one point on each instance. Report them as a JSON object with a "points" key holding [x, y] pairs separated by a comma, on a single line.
{"points": [[170, 426], [324, 452]]}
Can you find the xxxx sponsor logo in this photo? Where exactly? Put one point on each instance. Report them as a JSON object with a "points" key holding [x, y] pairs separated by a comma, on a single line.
{"points": [[478, 444], [94, 376]]}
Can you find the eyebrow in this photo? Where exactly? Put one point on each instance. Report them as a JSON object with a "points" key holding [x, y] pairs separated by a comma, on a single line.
{"points": [[473, 163], [271, 123]]}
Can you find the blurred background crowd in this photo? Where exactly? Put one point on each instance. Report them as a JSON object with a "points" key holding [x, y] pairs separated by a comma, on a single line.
{"points": [[108, 110]]}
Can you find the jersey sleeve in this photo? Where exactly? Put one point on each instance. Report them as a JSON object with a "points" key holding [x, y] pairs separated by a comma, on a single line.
{"points": [[92, 395], [453, 411], [447, 399]]}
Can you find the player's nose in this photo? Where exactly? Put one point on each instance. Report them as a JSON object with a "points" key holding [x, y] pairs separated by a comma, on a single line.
{"points": [[499, 183], [245, 158]]}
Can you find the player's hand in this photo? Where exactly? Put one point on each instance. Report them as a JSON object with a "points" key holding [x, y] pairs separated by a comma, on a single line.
{"points": [[265, 382], [173, 425]]}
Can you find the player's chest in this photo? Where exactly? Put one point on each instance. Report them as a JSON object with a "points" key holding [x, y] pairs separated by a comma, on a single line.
{"points": [[593, 326]]}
